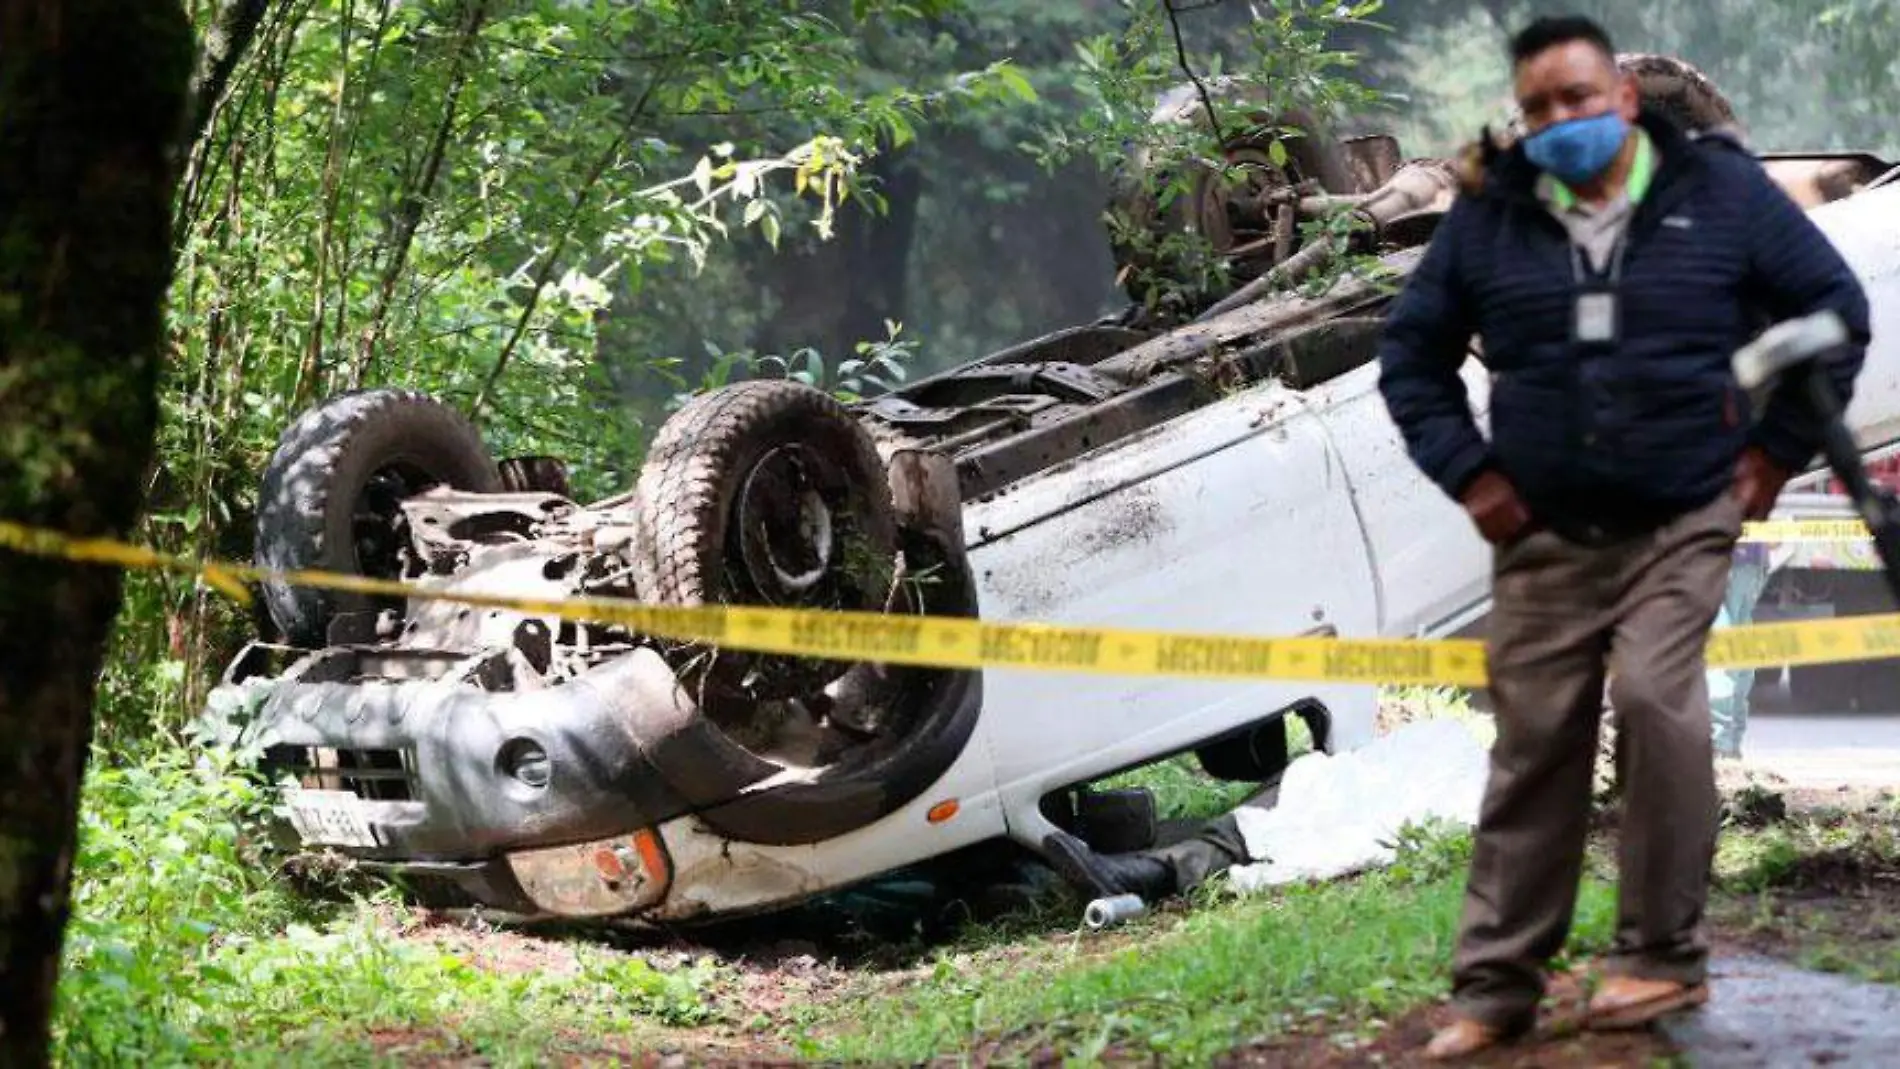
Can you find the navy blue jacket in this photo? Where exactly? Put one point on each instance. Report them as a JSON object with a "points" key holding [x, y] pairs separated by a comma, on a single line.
{"points": [[1610, 440]]}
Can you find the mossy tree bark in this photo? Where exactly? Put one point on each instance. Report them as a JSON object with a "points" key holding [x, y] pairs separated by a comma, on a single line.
{"points": [[93, 112]]}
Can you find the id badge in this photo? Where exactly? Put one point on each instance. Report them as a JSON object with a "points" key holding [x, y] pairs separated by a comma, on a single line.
{"points": [[1596, 317]]}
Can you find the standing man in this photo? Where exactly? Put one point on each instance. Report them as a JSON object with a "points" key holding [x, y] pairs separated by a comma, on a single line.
{"points": [[1611, 265], [1730, 690]]}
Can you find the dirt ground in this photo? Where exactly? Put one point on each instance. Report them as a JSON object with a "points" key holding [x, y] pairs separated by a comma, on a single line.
{"points": [[1557, 1044], [1838, 908], [1822, 904]]}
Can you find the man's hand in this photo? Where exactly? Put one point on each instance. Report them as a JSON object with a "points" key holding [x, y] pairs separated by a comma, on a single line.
{"points": [[1758, 482], [1495, 507]]}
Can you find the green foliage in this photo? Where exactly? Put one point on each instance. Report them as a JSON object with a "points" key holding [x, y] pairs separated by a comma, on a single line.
{"points": [[314, 985], [1182, 791], [1861, 42], [162, 880], [461, 198], [1757, 863], [1286, 63], [450, 198], [878, 367], [183, 949], [1430, 852]]}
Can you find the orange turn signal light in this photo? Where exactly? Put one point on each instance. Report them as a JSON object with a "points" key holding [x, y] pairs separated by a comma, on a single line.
{"points": [[942, 811]]}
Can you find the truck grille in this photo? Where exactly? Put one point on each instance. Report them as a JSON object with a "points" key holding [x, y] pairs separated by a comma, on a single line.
{"points": [[386, 775]]}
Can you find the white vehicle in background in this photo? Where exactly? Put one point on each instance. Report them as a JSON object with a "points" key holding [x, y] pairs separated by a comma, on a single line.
{"points": [[1234, 474]]}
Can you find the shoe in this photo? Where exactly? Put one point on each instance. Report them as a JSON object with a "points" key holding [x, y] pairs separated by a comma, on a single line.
{"points": [[1461, 1038], [1631, 1002], [1106, 875]]}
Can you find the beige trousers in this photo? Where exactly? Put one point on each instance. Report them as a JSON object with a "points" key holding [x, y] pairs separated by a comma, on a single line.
{"points": [[1562, 612]]}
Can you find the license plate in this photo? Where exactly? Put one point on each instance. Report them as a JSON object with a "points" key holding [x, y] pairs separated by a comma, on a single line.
{"points": [[329, 818]]}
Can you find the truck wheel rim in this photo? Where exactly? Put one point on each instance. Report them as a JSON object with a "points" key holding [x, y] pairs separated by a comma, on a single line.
{"points": [[786, 529], [376, 522]]}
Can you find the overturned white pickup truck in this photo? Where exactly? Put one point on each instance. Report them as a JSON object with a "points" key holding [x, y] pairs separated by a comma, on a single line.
{"points": [[1236, 474]]}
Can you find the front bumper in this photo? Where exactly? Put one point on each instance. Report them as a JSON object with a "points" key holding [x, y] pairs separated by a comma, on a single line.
{"points": [[448, 776]]}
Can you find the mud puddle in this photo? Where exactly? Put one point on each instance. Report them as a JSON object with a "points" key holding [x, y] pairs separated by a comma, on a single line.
{"points": [[1767, 1013]]}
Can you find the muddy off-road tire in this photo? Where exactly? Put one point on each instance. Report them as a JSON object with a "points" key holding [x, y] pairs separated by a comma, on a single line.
{"points": [[764, 493], [1679, 90], [1316, 155], [330, 494]]}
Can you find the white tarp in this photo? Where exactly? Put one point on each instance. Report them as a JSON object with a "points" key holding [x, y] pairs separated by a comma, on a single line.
{"points": [[1339, 814]]}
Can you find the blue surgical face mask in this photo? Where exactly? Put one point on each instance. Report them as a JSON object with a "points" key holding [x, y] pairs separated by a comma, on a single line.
{"points": [[1578, 150]]}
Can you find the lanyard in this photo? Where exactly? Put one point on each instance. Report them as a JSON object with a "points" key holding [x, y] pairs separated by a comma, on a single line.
{"points": [[1596, 319], [1579, 273]]}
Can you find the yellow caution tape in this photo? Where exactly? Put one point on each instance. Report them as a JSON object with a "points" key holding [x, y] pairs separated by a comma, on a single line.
{"points": [[1806, 531], [959, 642], [1798, 642]]}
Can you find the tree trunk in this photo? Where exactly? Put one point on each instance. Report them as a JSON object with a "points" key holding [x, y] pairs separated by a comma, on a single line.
{"points": [[235, 27], [226, 42], [309, 372], [92, 115]]}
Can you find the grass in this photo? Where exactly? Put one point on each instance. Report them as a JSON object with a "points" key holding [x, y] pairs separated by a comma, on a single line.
{"points": [[1822, 890], [1182, 791], [182, 950], [1792, 854], [334, 995], [185, 949], [1186, 987]]}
